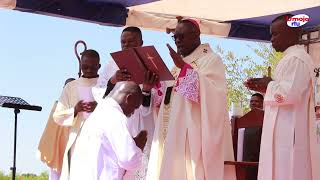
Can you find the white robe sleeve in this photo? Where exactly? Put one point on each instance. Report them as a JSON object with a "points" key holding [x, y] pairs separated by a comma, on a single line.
{"points": [[147, 120], [158, 94], [108, 71], [288, 88], [148, 110], [142, 119], [128, 154], [213, 106], [64, 112]]}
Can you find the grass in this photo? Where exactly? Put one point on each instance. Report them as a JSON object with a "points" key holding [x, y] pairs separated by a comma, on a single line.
{"points": [[25, 176]]}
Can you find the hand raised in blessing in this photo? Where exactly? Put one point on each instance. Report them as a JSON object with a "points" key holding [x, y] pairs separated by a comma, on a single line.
{"points": [[177, 59]]}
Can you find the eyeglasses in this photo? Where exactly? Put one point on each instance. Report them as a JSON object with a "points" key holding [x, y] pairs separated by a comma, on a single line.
{"points": [[182, 36], [176, 36]]}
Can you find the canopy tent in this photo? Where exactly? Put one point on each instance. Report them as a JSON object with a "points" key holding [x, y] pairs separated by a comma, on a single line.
{"points": [[245, 19], [258, 27], [248, 19]]}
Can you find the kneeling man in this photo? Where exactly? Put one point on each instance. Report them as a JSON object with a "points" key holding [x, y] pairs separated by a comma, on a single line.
{"points": [[105, 148]]}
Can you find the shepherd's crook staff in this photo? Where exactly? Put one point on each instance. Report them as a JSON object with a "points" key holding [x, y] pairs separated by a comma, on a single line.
{"points": [[77, 54]]}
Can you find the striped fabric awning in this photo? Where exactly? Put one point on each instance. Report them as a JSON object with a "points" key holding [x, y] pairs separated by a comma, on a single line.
{"points": [[247, 19]]}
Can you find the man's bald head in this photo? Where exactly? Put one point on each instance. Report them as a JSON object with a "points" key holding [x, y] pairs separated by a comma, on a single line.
{"points": [[126, 87], [129, 96]]}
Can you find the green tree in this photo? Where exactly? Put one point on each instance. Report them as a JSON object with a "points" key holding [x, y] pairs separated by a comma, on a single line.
{"points": [[25, 176], [238, 69], [268, 54]]}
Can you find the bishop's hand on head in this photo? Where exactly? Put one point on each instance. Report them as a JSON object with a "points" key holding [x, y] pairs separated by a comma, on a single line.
{"points": [[121, 75], [150, 80]]}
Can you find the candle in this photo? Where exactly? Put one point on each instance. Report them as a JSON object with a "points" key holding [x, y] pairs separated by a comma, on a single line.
{"points": [[237, 109]]}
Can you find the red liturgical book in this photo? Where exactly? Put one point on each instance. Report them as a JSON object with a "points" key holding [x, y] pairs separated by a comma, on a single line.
{"points": [[141, 59]]}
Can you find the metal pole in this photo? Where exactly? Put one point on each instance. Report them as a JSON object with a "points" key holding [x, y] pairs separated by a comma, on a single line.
{"points": [[16, 111]]}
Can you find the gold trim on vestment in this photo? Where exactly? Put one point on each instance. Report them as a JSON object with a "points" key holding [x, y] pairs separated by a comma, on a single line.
{"points": [[167, 107]]}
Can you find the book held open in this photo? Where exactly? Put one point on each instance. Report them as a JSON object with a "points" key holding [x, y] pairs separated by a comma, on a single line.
{"points": [[141, 59]]}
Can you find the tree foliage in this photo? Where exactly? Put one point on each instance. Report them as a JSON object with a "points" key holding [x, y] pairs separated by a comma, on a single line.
{"points": [[238, 69]]}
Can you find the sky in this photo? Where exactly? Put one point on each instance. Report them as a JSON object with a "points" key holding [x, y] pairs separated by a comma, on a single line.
{"points": [[36, 56]]}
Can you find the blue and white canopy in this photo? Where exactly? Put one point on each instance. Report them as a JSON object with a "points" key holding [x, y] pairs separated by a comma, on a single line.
{"points": [[248, 19]]}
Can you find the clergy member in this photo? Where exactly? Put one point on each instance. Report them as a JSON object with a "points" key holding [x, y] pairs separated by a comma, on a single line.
{"points": [[289, 149], [53, 143], [142, 119], [192, 130], [76, 103], [105, 149]]}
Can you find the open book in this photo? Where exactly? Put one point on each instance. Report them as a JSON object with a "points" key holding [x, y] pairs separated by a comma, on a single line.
{"points": [[141, 59]]}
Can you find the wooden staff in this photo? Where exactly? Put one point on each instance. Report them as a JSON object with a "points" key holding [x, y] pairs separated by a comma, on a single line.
{"points": [[78, 55]]}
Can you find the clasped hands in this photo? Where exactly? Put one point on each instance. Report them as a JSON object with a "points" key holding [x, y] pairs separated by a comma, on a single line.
{"points": [[258, 84], [84, 107]]}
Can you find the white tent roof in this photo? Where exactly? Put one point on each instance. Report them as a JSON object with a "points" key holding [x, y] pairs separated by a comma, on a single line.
{"points": [[159, 15], [225, 10], [162, 14], [9, 4], [160, 22]]}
